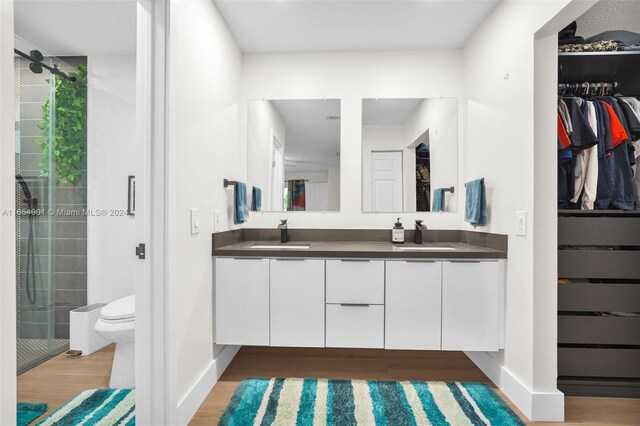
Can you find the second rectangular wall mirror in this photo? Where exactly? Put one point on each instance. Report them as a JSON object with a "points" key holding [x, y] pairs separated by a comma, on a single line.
{"points": [[294, 154], [409, 153]]}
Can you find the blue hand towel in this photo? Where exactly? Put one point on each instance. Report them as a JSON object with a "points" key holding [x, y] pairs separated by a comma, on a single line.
{"points": [[438, 200], [242, 212], [256, 199], [476, 203]]}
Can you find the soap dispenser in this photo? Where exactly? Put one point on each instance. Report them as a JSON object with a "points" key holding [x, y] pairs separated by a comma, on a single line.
{"points": [[397, 233]]}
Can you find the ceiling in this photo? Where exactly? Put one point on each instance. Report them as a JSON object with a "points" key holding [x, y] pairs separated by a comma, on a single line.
{"points": [[388, 111], [312, 142], [268, 26], [77, 27]]}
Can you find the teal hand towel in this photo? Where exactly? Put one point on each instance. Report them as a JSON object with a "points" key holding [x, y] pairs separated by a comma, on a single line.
{"points": [[242, 211], [256, 199], [476, 203], [438, 200]]}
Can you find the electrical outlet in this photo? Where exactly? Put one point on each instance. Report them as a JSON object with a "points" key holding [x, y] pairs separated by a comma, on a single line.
{"points": [[195, 221], [217, 221], [521, 223]]}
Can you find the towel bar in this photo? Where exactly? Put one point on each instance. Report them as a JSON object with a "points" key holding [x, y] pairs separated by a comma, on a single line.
{"points": [[228, 182]]}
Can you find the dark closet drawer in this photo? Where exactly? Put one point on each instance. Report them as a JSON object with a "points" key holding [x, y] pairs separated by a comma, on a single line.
{"points": [[614, 264], [599, 297], [599, 231], [596, 362], [599, 330]]}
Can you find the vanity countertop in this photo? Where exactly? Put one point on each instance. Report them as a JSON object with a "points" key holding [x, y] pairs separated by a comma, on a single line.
{"points": [[356, 249]]}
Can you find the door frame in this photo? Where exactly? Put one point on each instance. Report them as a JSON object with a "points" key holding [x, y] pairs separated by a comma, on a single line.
{"points": [[156, 402], [7, 222]]}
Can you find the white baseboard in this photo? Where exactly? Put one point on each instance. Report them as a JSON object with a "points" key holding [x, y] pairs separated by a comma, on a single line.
{"points": [[537, 406], [189, 404]]}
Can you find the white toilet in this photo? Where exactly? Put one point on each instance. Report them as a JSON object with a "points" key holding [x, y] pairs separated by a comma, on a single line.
{"points": [[117, 324]]}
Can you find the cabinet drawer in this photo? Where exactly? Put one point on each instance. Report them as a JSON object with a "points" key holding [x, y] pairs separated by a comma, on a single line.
{"points": [[355, 281], [355, 326]]}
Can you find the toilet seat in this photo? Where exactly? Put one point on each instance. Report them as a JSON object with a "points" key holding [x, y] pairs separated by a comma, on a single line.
{"points": [[121, 310]]}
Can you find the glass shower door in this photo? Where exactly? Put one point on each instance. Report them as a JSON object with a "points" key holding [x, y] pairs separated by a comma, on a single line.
{"points": [[43, 129]]}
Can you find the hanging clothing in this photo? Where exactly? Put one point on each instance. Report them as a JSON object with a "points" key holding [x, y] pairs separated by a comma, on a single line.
{"points": [[586, 169], [597, 140]]}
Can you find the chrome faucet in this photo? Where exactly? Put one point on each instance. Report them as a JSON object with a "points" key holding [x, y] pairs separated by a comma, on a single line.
{"points": [[284, 231], [417, 234]]}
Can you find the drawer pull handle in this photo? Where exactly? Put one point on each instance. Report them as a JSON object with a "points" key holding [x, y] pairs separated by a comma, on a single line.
{"points": [[420, 261], [355, 260], [290, 260], [248, 258], [464, 261], [355, 305]]}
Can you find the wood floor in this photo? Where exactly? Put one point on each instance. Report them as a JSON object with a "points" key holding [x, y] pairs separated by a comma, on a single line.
{"points": [[60, 378], [389, 365]]}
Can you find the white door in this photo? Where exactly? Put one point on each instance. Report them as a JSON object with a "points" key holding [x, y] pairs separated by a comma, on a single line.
{"points": [[277, 175], [297, 305], [242, 301], [316, 197], [413, 305], [386, 175], [470, 306]]}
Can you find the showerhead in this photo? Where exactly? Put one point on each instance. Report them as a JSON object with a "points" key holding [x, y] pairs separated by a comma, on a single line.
{"points": [[24, 186]]}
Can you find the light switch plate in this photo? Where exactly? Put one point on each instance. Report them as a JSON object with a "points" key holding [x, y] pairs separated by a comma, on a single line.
{"points": [[521, 223], [217, 221], [195, 221]]}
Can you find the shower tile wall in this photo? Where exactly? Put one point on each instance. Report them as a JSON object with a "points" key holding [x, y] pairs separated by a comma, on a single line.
{"points": [[69, 239]]}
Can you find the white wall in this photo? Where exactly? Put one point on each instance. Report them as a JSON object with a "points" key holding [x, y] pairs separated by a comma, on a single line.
{"points": [[113, 153], [498, 73], [625, 13], [7, 222], [440, 116], [263, 119], [205, 68], [350, 77]]}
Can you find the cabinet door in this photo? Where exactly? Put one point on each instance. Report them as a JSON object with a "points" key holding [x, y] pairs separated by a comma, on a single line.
{"points": [[470, 305], [242, 301], [413, 305], [297, 302]]}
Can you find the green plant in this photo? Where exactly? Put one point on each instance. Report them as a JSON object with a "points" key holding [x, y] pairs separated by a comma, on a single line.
{"points": [[64, 129]]}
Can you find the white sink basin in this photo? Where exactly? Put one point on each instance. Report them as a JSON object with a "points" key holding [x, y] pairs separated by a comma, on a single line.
{"points": [[425, 248], [280, 246]]}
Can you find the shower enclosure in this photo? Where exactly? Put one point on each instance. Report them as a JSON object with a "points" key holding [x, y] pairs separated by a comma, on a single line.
{"points": [[50, 148]]}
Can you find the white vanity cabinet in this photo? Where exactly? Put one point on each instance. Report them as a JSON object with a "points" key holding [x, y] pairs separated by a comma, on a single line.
{"points": [[471, 304], [242, 301], [420, 304], [413, 304], [297, 302]]}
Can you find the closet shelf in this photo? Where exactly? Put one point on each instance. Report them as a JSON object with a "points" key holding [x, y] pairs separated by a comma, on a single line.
{"points": [[571, 212], [577, 67]]}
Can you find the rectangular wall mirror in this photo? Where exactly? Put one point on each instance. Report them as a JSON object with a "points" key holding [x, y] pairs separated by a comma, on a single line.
{"points": [[409, 150], [294, 154]]}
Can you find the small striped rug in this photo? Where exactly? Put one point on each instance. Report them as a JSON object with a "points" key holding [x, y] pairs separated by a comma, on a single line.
{"points": [[96, 407], [302, 402]]}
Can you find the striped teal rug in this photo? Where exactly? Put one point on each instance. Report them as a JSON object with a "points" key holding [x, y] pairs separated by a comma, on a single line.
{"points": [[302, 402], [29, 411], [96, 407]]}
